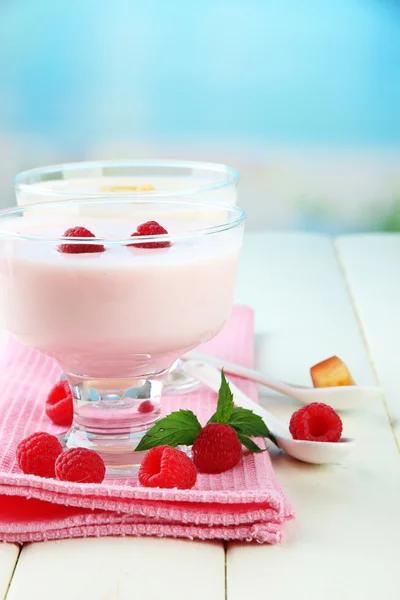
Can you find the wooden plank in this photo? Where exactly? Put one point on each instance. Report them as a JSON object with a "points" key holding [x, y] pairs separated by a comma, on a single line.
{"points": [[120, 569], [344, 542], [371, 264], [8, 558]]}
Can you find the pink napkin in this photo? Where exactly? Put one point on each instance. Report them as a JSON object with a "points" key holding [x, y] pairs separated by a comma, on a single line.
{"points": [[246, 503]]}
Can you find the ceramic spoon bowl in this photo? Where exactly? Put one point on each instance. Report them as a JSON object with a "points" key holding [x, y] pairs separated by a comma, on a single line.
{"points": [[311, 452], [339, 398]]}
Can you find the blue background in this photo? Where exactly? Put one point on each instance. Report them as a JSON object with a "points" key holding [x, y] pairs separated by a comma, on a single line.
{"points": [[217, 79]]}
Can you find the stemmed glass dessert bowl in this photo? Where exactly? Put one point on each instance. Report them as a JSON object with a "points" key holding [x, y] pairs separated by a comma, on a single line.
{"points": [[201, 181], [116, 291]]}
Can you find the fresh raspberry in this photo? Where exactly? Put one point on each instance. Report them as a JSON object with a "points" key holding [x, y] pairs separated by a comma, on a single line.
{"points": [[80, 465], [216, 448], [81, 232], [316, 422], [59, 406], [150, 228], [37, 454], [295, 420], [146, 407], [167, 467]]}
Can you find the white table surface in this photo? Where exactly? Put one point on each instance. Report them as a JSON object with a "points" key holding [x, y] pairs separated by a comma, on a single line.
{"points": [[344, 542]]}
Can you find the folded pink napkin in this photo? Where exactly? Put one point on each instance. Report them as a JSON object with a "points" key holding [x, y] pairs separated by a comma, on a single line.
{"points": [[246, 503]]}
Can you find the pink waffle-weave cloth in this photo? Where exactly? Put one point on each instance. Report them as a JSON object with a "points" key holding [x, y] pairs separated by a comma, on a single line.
{"points": [[246, 503]]}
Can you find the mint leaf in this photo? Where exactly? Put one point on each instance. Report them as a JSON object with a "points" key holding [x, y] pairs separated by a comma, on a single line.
{"points": [[245, 421], [225, 404], [178, 428], [249, 444]]}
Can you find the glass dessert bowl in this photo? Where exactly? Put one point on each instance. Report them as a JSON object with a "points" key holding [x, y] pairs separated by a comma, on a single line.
{"points": [[203, 182], [117, 310]]}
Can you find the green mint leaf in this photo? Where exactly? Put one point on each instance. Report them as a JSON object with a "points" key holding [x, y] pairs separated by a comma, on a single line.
{"points": [[178, 428], [225, 404], [247, 422], [249, 444]]}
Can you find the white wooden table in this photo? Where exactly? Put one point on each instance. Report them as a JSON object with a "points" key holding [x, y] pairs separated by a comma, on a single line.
{"points": [[313, 298]]}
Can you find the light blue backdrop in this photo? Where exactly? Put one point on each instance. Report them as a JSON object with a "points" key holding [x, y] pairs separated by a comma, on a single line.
{"points": [[284, 71]]}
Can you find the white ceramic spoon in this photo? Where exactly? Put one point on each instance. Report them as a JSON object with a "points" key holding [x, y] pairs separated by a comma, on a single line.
{"points": [[317, 453], [340, 398]]}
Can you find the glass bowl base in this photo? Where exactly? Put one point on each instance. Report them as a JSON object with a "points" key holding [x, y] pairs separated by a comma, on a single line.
{"points": [[118, 452], [120, 457], [178, 381], [111, 416]]}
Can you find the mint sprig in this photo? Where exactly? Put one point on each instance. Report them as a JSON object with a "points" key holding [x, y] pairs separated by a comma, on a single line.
{"points": [[246, 423], [180, 428]]}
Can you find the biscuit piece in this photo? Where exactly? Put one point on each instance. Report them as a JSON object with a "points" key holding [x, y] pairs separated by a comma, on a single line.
{"points": [[331, 372]]}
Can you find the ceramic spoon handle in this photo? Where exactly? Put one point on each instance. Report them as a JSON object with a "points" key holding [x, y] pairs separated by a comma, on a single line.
{"points": [[251, 374]]}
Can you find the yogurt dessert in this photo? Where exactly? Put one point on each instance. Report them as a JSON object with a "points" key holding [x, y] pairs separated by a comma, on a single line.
{"points": [[94, 311], [117, 309], [203, 182]]}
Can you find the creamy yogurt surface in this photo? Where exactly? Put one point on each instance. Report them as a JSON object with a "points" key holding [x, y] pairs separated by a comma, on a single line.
{"points": [[110, 313]]}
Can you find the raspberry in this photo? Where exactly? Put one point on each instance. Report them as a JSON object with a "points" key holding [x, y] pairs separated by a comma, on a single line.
{"points": [[146, 407], [59, 407], [167, 467], [37, 454], [216, 448], [80, 465], [316, 422], [150, 228], [81, 232]]}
